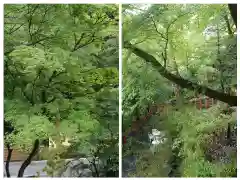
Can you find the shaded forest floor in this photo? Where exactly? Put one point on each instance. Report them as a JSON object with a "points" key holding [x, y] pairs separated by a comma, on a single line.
{"points": [[192, 150]]}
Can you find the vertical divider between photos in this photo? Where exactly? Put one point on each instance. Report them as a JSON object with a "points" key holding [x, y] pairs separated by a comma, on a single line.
{"points": [[121, 140]]}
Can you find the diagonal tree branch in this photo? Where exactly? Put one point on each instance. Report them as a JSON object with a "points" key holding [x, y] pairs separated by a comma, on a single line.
{"points": [[184, 83]]}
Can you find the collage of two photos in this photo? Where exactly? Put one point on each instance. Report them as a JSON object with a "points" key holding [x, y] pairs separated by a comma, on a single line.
{"points": [[62, 79]]}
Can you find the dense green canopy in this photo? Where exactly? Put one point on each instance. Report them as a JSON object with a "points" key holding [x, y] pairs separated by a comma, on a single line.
{"points": [[61, 65]]}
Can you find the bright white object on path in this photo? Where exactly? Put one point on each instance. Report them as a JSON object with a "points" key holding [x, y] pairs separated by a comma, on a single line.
{"points": [[156, 138]]}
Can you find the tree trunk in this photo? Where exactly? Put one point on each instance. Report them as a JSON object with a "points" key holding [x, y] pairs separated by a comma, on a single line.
{"points": [[26, 163], [233, 10], [8, 160]]}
